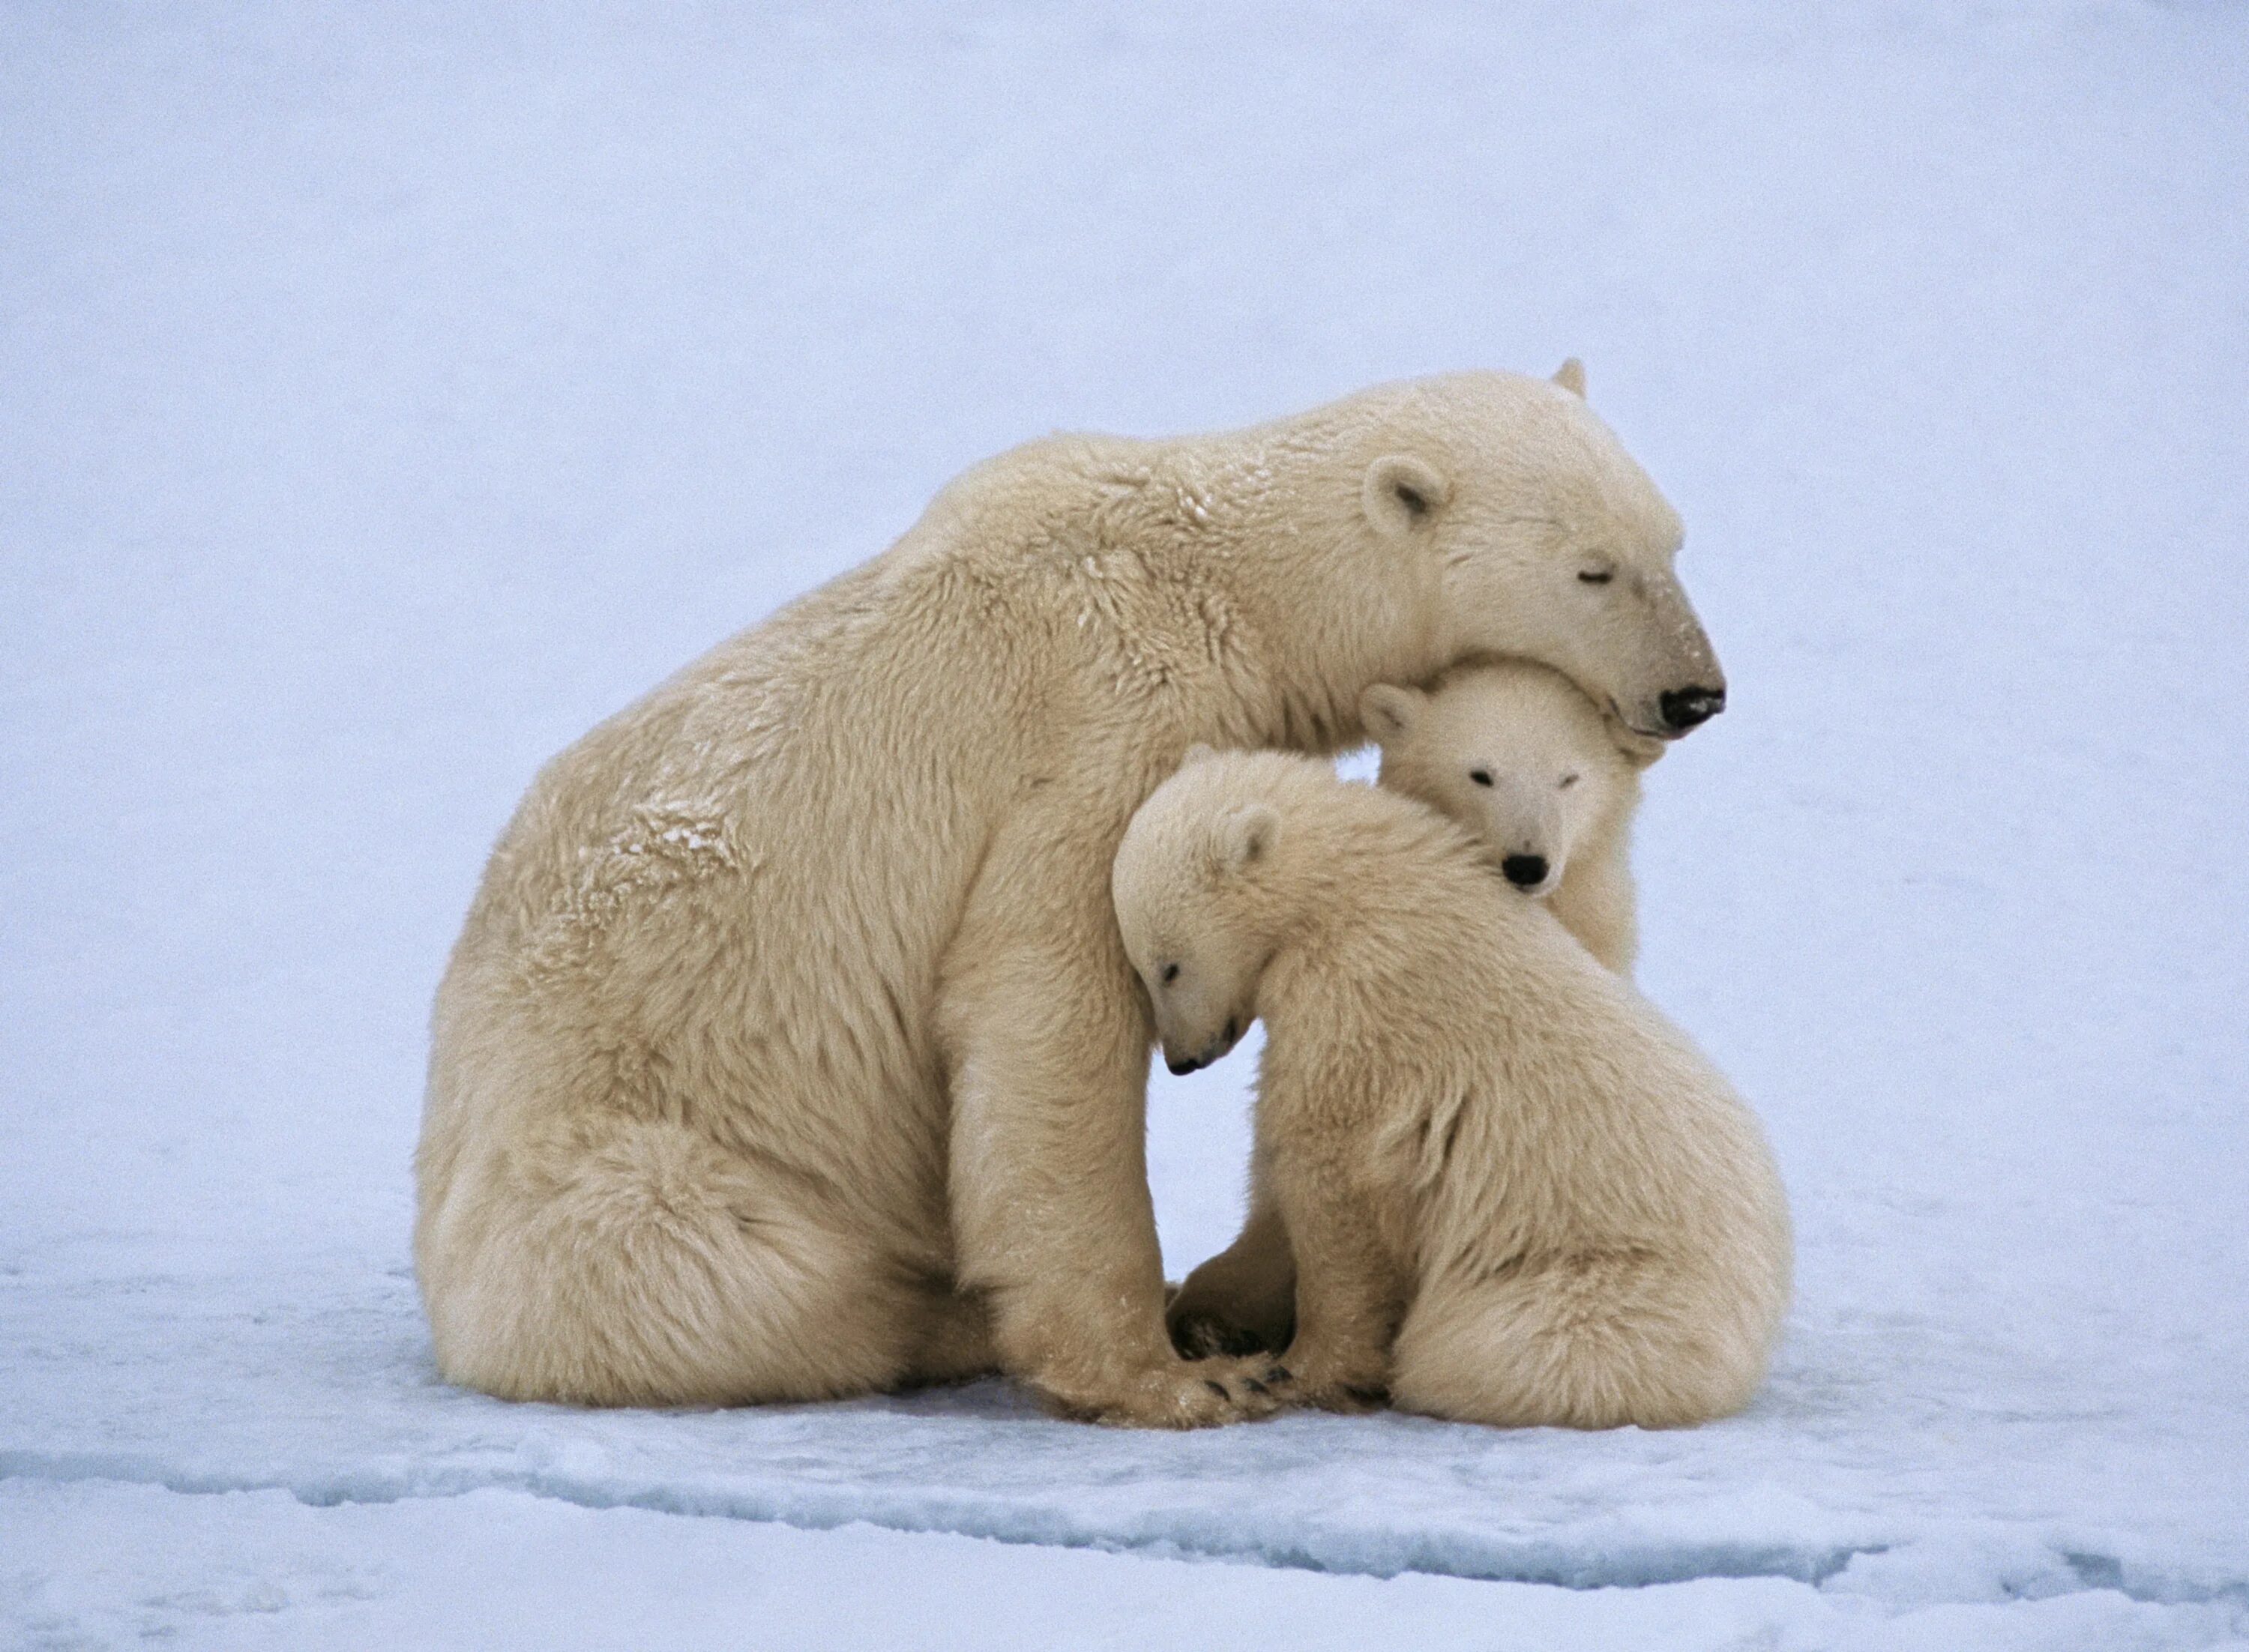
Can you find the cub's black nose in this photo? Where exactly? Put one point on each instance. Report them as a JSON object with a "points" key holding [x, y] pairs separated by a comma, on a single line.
{"points": [[1524, 871], [1181, 1065], [1683, 707]]}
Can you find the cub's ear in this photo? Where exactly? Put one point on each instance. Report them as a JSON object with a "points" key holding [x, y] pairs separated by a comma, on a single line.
{"points": [[1199, 752], [1570, 375], [1403, 494], [1640, 750], [1390, 712], [1245, 836]]}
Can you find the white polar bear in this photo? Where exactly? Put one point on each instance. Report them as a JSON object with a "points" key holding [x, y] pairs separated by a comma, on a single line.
{"points": [[1548, 784], [1538, 775], [789, 1050], [1518, 1195]]}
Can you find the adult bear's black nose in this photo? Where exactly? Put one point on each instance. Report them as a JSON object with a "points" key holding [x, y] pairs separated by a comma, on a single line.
{"points": [[1524, 871], [1683, 707], [1181, 1065]]}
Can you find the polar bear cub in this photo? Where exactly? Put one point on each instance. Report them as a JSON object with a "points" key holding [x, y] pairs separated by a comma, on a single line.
{"points": [[1517, 1194], [1530, 767], [1516, 753]]}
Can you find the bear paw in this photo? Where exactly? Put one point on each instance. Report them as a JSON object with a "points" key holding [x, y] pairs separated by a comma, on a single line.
{"points": [[1353, 1387], [1181, 1394]]}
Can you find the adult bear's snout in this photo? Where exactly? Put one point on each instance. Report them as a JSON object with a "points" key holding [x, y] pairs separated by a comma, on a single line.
{"points": [[1180, 1064], [1683, 707]]}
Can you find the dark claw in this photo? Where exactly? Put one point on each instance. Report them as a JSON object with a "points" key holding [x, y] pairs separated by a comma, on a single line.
{"points": [[1280, 1374], [1369, 1396], [1255, 1386], [1219, 1388]]}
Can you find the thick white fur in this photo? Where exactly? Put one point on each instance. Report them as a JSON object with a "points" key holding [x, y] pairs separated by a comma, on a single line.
{"points": [[1518, 1193], [1560, 780], [1518, 755], [789, 1049]]}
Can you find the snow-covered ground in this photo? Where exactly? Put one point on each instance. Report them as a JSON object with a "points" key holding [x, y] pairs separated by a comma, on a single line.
{"points": [[499, 1570], [388, 393]]}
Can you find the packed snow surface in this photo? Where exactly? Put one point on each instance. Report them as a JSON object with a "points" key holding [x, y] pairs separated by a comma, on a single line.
{"points": [[389, 393], [500, 1571]]}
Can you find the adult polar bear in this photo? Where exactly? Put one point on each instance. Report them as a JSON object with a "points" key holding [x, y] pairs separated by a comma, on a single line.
{"points": [[789, 1049]]}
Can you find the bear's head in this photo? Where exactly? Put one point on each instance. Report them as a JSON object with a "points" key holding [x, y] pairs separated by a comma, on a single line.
{"points": [[1517, 756], [1191, 887], [1550, 542]]}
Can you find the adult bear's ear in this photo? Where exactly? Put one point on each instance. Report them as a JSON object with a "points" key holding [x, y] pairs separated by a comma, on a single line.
{"points": [[1245, 837], [1390, 712], [1402, 494], [1570, 375]]}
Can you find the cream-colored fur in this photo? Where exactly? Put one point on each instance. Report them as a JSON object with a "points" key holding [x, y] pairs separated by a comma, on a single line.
{"points": [[789, 1049], [1517, 754], [1547, 783], [1518, 1195]]}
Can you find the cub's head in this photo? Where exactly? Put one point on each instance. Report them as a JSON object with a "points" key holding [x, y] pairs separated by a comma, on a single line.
{"points": [[1191, 884], [1550, 543], [1516, 754]]}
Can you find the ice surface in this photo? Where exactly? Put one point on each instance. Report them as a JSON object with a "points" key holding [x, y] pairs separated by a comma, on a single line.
{"points": [[1918, 1468], [498, 1570], [387, 394]]}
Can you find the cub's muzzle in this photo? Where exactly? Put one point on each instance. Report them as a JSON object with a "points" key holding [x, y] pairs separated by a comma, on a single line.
{"points": [[1524, 871], [1181, 1065]]}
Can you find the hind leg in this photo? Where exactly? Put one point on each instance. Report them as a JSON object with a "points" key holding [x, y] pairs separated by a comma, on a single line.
{"points": [[636, 1262], [1589, 1341]]}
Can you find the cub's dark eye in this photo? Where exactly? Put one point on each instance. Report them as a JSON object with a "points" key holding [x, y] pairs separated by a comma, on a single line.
{"points": [[1596, 576], [1171, 973], [1569, 781], [1482, 776]]}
